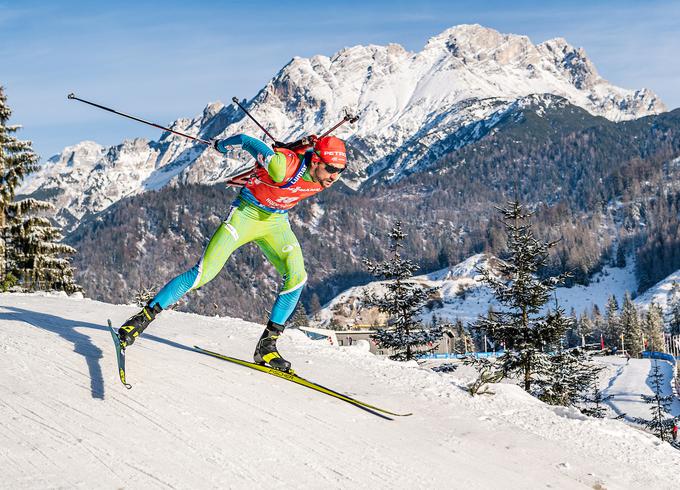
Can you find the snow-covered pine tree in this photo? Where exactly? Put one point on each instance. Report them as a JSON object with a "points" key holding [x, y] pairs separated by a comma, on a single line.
{"points": [[612, 326], [662, 420], [528, 334], [586, 328], [630, 327], [592, 402], [17, 160], [674, 317], [406, 337], [463, 342], [29, 244], [568, 378], [653, 329], [299, 318]]}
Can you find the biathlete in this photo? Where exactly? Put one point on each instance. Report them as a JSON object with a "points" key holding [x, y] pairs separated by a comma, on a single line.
{"points": [[259, 214]]}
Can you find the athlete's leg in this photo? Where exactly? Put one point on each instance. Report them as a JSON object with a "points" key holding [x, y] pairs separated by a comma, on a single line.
{"points": [[282, 249], [230, 235]]}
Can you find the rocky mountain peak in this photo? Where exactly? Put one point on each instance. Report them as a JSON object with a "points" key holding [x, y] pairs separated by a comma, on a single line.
{"points": [[414, 108]]}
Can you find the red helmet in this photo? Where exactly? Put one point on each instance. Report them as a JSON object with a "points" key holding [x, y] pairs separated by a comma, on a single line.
{"points": [[331, 150]]}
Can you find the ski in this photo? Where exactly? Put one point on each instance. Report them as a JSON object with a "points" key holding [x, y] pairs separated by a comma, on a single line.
{"points": [[120, 356], [290, 376]]}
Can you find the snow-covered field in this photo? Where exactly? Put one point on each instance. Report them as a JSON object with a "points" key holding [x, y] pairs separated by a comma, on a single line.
{"points": [[191, 421], [626, 381]]}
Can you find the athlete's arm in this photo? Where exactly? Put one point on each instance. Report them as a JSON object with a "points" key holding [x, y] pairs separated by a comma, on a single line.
{"points": [[274, 162]]}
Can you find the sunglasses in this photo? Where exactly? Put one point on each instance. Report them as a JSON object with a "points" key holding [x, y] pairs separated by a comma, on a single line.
{"points": [[333, 170], [329, 168]]}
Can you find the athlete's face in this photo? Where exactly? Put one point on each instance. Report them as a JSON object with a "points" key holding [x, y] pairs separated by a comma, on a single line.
{"points": [[325, 174]]}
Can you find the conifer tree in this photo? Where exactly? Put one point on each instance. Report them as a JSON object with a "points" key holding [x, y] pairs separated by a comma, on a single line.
{"points": [[527, 333], [653, 329], [674, 317], [612, 331], [314, 305], [594, 398], [586, 327], [299, 318], [598, 323], [30, 251], [630, 327], [407, 337], [568, 377], [660, 406], [17, 160]]}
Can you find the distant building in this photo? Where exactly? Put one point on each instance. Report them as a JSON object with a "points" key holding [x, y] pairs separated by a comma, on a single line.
{"points": [[353, 336]]}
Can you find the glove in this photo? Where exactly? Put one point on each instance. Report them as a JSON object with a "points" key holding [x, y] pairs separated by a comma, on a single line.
{"points": [[214, 143]]}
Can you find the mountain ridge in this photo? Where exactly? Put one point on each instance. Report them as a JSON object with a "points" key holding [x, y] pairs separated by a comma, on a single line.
{"points": [[411, 106]]}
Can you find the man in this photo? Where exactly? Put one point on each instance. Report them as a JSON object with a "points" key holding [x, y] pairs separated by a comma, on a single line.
{"points": [[259, 214]]}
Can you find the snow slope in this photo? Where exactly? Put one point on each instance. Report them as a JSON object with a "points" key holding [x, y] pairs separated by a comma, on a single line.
{"points": [[196, 422], [664, 293], [628, 380]]}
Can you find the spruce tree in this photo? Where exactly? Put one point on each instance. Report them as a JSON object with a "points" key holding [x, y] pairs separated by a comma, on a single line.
{"points": [[598, 325], [299, 318], [612, 330], [29, 245], [586, 327], [662, 421], [463, 342], [17, 160], [630, 327], [527, 333], [674, 317], [403, 299], [653, 329], [594, 398], [568, 377]]}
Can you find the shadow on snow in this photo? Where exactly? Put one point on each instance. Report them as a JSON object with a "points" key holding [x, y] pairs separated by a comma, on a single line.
{"points": [[82, 344]]}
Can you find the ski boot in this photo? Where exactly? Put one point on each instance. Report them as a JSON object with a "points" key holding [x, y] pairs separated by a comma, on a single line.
{"points": [[136, 324], [266, 352]]}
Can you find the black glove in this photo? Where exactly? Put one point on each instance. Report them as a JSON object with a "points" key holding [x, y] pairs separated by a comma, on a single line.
{"points": [[214, 144]]}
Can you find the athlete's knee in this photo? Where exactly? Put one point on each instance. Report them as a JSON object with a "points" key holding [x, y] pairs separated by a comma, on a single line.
{"points": [[294, 280]]}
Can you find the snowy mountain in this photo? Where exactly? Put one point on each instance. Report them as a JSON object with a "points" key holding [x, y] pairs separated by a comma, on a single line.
{"points": [[664, 293], [462, 295], [414, 108], [192, 421]]}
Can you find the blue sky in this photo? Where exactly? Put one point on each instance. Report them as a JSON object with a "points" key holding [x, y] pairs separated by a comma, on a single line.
{"points": [[165, 60]]}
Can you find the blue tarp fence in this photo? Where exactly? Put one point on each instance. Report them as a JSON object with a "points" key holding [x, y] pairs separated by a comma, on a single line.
{"points": [[659, 355], [461, 356]]}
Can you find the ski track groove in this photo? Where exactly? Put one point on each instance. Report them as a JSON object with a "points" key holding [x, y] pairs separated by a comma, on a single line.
{"points": [[98, 458], [149, 475], [180, 436]]}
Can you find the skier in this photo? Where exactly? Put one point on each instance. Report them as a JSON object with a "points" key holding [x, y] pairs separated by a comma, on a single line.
{"points": [[675, 430], [260, 214]]}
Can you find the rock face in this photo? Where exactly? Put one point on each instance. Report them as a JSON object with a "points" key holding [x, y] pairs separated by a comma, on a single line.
{"points": [[414, 108]]}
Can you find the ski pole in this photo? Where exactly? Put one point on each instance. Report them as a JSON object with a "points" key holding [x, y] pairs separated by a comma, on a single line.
{"points": [[235, 101], [348, 118], [240, 179], [72, 96]]}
